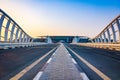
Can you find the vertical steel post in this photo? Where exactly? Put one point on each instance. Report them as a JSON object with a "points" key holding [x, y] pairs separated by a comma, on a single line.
{"points": [[1, 22], [104, 37], [118, 25], [95, 40], [23, 40], [101, 40], [16, 36], [26, 38], [20, 38], [113, 31], [6, 30], [12, 33], [98, 40], [109, 37]]}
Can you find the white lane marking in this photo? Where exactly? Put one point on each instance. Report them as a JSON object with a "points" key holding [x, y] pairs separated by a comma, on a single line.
{"points": [[74, 61], [67, 51], [49, 60], [69, 54], [102, 75], [84, 76], [25, 70], [37, 77], [53, 53]]}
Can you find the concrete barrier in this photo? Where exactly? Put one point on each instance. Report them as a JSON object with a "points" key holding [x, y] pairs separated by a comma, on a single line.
{"points": [[17, 45], [101, 45]]}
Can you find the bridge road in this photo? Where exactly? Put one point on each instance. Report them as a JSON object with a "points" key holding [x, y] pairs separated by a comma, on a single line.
{"points": [[98, 64], [12, 61], [61, 66]]}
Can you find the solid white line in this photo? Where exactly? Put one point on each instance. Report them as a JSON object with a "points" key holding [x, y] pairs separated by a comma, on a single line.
{"points": [[74, 61], [37, 77], [101, 74], [25, 70], [49, 60], [84, 76]]}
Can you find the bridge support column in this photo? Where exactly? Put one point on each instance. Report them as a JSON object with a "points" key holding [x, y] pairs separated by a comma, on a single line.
{"points": [[104, 37], [75, 40], [24, 38], [49, 40], [118, 25], [113, 31], [98, 40], [67, 40], [20, 38], [101, 40], [16, 35], [92, 40], [1, 22], [12, 33], [95, 40], [6, 31], [109, 37], [29, 39]]}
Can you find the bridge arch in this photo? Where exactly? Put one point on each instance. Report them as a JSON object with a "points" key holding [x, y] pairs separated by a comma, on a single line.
{"points": [[110, 34], [10, 31]]}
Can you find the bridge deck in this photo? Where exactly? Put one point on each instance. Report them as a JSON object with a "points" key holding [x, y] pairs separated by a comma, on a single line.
{"points": [[61, 66]]}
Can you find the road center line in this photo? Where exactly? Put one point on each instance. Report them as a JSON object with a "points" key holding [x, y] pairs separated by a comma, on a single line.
{"points": [[38, 76], [25, 70], [102, 75]]}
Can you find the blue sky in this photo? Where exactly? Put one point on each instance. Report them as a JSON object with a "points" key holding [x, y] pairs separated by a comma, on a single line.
{"points": [[62, 17]]}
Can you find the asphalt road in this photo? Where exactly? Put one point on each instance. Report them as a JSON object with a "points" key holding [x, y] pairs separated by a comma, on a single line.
{"points": [[12, 61], [106, 61]]}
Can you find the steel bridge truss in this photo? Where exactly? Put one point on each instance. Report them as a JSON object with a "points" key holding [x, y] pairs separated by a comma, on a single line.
{"points": [[10, 31], [111, 33]]}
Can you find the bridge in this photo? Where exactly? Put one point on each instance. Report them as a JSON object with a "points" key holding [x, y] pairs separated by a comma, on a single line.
{"points": [[23, 57]]}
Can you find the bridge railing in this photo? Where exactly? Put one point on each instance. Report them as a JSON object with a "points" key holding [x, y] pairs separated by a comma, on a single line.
{"points": [[111, 33], [12, 35], [10, 31]]}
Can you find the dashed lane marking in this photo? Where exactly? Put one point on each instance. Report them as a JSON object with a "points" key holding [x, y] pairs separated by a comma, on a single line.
{"points": [[69, 54], [74, 61], [25, 70], [101, 74], [84, 76], [49, 60], [53, 53], [37, 77]]}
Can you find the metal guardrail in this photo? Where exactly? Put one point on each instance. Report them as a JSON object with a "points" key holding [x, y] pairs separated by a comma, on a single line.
{"points": [[101, 45], [10, 31], [12, 35], [110, 34]]}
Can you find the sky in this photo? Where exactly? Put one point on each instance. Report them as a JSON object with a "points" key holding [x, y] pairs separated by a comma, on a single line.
{"points": [[62, 17]]}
